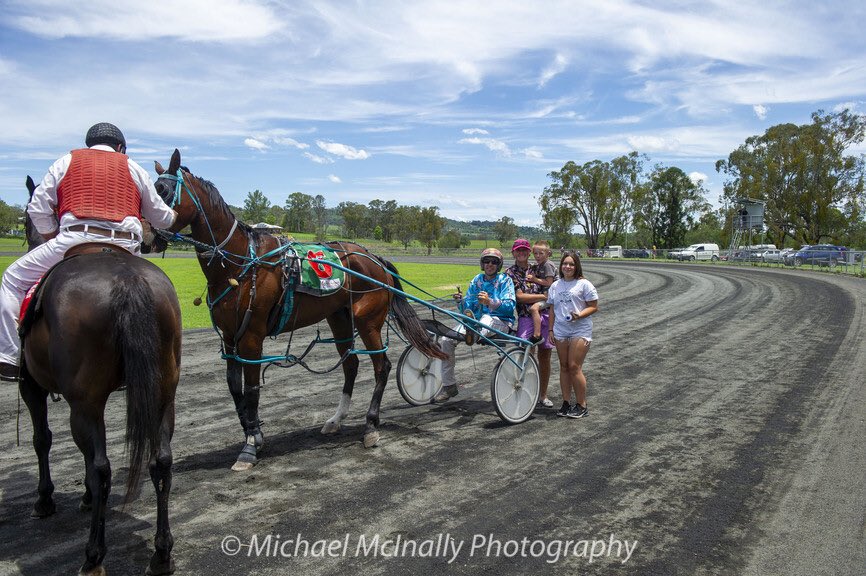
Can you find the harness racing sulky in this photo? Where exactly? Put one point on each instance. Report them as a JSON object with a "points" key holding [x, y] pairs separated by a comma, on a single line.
{"points": [[260, 285]]}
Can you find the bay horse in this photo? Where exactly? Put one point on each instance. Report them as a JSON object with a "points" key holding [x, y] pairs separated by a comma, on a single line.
{"points": [[104, 320], [243, 290]]}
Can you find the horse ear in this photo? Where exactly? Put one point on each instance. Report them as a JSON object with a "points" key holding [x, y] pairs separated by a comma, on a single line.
{"points": [[31, 186], [158, 167], [174, 164]]}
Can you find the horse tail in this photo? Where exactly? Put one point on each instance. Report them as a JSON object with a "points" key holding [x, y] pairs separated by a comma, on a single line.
{"points": [[136, 337], [408, 321]]}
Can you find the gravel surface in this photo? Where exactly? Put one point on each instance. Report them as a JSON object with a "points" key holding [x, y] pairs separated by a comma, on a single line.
{"points": [[727, 415]]}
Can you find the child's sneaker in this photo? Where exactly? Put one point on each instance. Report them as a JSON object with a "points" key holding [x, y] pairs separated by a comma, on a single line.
{"points": [[578, 411]]}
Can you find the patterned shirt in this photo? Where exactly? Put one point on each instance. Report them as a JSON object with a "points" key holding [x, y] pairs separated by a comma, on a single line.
{"points": [[518, 276]]}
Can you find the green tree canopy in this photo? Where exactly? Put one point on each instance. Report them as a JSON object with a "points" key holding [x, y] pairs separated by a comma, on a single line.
{"points": [[505, 230], [256, 207], [354, 219], [320, 216], [430, 227], [814, 191], [299, 216], [669, 206], [598, 196], [407, 224]]}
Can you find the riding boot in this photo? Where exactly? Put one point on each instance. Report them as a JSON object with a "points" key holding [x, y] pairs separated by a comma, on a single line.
{"points": [[9, 372]]}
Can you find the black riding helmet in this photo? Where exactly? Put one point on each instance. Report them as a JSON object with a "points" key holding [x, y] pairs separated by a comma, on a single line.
{"points": [[105, 133]]}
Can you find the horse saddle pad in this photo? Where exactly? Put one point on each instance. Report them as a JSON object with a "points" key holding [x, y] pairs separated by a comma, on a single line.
{"points": [[318, 278]]}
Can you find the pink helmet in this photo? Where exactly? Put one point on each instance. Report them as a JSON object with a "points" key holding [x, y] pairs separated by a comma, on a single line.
{"points": [[492, 253]]}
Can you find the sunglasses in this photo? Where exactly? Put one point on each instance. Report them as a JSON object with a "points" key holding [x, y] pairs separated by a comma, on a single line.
{"points": [[490, 261]]}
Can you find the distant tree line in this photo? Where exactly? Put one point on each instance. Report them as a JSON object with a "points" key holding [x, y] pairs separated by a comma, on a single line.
{"points": [[814, 192], [813, 189], [387, 221]]}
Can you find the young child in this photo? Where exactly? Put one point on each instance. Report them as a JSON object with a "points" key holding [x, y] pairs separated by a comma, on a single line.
{"points": [[543, 273]]}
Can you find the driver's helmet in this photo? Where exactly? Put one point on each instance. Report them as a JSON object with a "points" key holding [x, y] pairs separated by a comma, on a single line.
{"points": [[492, 253], [105, 133]]}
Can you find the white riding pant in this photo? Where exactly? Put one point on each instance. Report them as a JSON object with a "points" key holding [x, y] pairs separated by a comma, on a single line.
{"points": [[22, 274], [448, 345]]}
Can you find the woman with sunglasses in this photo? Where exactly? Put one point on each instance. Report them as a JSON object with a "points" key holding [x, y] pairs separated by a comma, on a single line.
{"points": [[573, 300]]}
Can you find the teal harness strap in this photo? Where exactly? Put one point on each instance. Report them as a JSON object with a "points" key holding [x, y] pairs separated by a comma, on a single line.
{"points": [[289, 294]]}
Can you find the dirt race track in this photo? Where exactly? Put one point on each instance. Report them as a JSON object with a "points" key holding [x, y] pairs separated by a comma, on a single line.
{"points": [[725, 436]]}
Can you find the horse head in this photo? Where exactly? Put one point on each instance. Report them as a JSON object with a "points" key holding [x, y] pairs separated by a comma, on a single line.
{"points": [[171, 185], [34, 238]]}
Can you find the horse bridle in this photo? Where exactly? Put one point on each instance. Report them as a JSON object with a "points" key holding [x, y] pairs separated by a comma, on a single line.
{"points": [[176, 197]]}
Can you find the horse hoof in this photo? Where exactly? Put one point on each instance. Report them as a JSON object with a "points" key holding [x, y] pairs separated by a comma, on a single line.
{"points": [[95, 571], [330, 428], [159, 568], [43, 510], [240, 466], [371, 439]]}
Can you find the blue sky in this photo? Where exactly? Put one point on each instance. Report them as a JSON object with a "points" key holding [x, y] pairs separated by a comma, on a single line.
{"points": [[463, 105]]}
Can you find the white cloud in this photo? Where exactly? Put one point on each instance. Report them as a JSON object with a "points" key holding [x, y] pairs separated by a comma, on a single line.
{"points": [[472, 131], [842, 106], [318, 159], [492, 144], [256, 144], [334, 179], [697, 177], [342, 150], [760, 111], [649, 144], [285, 141], [533, 153], [556, 67], [201, 21]]}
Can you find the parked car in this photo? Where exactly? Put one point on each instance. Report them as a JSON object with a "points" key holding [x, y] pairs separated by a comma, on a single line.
{"points": [[820, 254], [700, 252], [613, 252], [789, 253], [636, 253], [774, 256], [675, 253]]}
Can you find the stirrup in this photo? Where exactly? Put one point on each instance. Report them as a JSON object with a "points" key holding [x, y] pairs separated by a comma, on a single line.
{"points": [[470, 333]]}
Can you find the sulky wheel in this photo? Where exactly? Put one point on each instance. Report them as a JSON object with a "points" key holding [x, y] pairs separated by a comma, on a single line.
{"points": [[514, 398], [419, 378]]}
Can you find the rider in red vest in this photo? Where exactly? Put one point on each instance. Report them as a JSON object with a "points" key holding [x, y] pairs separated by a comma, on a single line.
{"points": [[94, 194]]}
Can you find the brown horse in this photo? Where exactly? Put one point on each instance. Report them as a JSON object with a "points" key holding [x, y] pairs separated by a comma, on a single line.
{"points": [[105, 320], [244, 290]]}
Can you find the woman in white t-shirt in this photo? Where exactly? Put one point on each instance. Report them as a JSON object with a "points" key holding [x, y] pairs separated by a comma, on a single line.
{"points": [[573, 300]]}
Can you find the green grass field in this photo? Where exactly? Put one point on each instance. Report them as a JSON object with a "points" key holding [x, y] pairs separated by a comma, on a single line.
{"points": [[189, 281]]}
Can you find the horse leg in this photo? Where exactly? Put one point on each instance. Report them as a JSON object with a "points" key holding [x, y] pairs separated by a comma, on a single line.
{"points": [[37, 402], [160, 474], [372, 338], [342, 330], [235, 379], [88, 431], [254, 439]]}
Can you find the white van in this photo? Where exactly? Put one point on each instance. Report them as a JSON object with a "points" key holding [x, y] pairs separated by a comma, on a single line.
{"points": [[700, 252], [613, 252]]}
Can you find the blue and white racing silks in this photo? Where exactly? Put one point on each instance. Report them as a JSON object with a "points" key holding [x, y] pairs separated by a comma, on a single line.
{"points": [[500, 288]]}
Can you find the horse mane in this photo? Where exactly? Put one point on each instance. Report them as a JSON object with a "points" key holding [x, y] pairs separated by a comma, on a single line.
{"points": [[219, 202]]}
